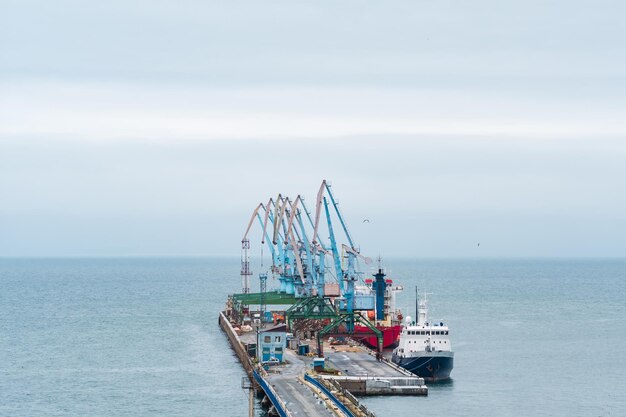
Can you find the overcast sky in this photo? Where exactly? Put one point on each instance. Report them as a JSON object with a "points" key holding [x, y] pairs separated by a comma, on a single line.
{"points": [[155, 127]]}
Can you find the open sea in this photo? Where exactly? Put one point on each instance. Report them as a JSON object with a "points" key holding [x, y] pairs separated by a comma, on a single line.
{"points": [[139, 337]]}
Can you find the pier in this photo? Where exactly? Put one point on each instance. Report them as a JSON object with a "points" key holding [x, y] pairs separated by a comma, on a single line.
{"points": [[363, 374], [293, 388], [299, 340]]}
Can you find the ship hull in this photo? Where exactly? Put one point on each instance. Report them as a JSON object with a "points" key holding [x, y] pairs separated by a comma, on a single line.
{"points": [[390, 335], [432, 366]]}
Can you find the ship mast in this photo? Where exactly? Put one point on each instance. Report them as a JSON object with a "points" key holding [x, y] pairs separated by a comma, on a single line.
{"points": [[416, 308], [422, 310]]}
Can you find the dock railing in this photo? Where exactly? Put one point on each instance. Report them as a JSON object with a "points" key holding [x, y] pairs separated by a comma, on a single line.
{"points": [[347, 394], [280, 406], [329, 394]]}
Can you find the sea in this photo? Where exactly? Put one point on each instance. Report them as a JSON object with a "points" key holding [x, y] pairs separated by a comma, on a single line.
{"points": [[116, 337]]}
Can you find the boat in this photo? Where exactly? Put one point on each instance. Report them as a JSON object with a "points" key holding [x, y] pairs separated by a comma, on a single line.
{"points": [[385, 317], [424, 347]]}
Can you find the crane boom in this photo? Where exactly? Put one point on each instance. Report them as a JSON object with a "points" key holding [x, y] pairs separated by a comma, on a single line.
{"points": [[256, 210], [267, 214], [295, 251], [265, 236], [318, 210], [333, 246], [280, 212], [316, 237], [343, 223], [294, 209]]}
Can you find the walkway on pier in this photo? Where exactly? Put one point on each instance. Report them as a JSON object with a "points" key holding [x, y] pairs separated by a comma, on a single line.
{"points": [[362, 373], [361, 363], [297, 396]]}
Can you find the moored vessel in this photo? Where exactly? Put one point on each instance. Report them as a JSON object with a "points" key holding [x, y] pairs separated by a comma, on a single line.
{"points": [[424, 348], [385, 317]]}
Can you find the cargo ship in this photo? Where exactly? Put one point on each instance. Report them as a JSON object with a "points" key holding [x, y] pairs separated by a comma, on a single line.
{"points": [[385, 317]]}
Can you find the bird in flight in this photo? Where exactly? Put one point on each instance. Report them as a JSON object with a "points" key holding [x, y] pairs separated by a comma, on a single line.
{"points": [[366, 220]]}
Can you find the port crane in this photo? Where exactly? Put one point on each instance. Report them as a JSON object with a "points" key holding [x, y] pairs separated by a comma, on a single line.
{"points": [[299, 262]]}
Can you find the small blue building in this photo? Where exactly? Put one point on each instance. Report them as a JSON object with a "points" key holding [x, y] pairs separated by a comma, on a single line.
{"points": [[272, 343]]}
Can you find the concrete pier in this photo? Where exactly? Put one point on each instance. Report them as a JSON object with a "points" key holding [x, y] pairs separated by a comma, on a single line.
{"points": [[296, 390], [298, 397], [284, 385], [363, 374]]}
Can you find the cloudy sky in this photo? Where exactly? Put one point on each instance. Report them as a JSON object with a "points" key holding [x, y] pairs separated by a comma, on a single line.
{"points": [[155, 127]]}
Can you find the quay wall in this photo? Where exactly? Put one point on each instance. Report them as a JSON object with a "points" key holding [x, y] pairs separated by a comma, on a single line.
{"points": [[245, 360], [362, 410], [240, 351], [392, 385]]}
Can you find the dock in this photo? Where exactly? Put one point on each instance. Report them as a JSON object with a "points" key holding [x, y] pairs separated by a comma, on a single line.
{"points": [[299, 341], [363, 374], [294, 389]]}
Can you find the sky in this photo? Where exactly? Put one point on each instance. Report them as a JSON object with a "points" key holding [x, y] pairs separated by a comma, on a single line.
{"points": [[153, 128]]}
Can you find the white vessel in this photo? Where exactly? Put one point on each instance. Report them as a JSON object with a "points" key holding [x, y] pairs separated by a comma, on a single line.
{"points": [[424, 348]]}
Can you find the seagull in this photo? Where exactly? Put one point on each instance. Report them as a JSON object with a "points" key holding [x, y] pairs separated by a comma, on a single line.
{"points": [[479, 244], [366, 220]]}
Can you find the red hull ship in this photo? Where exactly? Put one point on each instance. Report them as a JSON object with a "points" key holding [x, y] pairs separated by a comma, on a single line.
{"points": [[385, 317], [391, 334]]}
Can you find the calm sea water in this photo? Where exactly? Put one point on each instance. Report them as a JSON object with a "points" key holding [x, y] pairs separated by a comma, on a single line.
{"points": [[134, 337]]}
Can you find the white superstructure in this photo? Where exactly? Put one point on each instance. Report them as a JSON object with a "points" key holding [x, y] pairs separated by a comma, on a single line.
{"points": [[423, 336]]}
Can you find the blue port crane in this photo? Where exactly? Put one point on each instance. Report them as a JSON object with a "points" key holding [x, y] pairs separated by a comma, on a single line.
{"points": [[299, 260]]}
